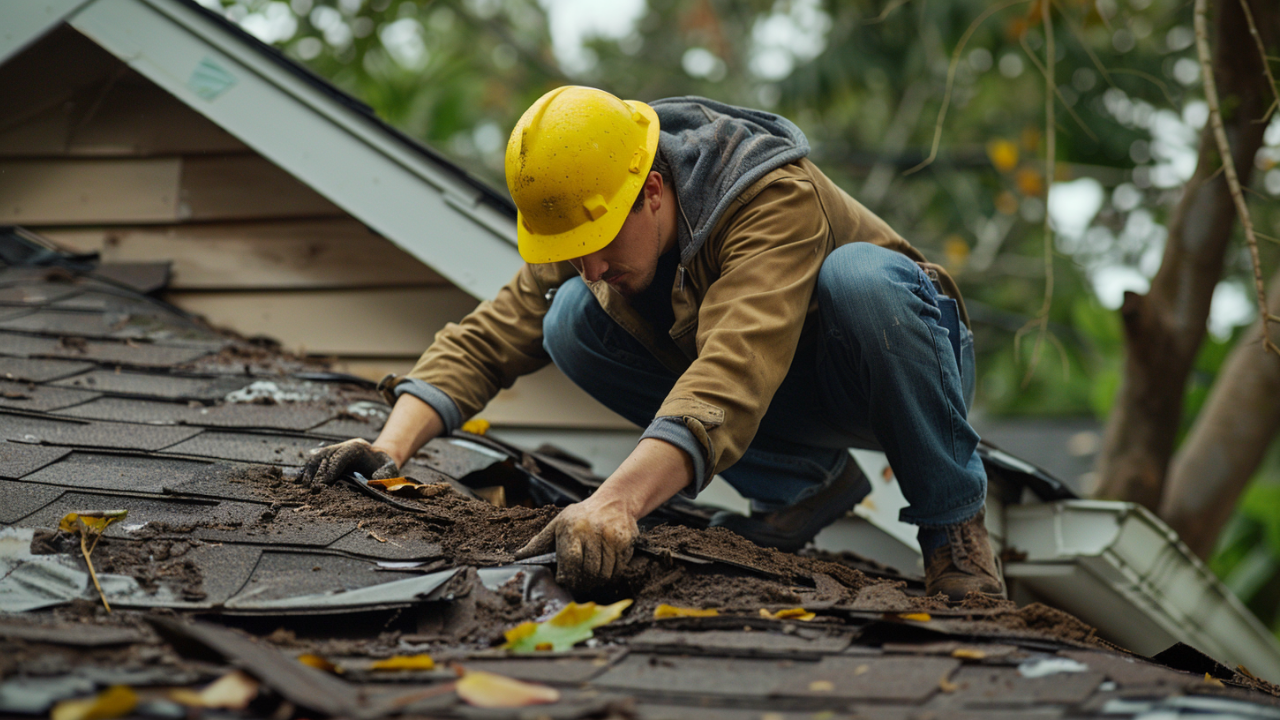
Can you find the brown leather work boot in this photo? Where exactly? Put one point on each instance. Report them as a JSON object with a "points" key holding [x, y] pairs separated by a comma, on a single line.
{"points": [[958, 560], [790, 528]]}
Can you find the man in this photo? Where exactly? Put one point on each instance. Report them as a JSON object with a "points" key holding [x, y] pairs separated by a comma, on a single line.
{"points": [[687, 267]]}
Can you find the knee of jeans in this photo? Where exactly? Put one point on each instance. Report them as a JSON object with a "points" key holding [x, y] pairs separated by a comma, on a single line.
{"points": [[565, 326], [862, 282]]}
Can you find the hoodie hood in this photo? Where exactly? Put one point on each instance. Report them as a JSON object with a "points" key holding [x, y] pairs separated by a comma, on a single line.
{"points": [[716, 151]]}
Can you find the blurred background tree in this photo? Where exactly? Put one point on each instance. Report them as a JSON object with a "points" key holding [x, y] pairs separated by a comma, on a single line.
{"points": [[866, 80]]}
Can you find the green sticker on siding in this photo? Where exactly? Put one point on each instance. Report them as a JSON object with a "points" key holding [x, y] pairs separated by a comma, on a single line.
{"points": [[209, 80]]}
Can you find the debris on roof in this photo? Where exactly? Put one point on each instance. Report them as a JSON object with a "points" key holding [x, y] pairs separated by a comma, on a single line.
{"points": [[227, 570]]}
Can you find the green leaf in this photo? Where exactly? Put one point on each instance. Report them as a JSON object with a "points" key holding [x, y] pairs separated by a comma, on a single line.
{"points": [[570, 626]]}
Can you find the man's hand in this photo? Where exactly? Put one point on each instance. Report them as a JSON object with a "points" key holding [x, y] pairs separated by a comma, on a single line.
{"points": [[330, 463], [592, 539]]}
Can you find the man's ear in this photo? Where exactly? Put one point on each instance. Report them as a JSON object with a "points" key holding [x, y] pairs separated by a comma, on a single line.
{"points": [[653, 190]]}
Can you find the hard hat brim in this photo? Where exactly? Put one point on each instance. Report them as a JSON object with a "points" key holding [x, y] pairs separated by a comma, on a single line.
{"points": [[595, 234]]}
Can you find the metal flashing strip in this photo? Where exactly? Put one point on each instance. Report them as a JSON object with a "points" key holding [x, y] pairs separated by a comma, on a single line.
{"points": [[1118, 567], [345, 155]]}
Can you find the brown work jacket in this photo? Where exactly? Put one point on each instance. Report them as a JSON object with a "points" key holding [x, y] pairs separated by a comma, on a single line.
{"points": [[742, 304]]}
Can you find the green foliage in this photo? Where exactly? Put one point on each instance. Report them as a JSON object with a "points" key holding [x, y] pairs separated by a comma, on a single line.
{"points": [[1247, 556]]}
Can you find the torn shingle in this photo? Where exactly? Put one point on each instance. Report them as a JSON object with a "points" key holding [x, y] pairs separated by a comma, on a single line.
{"points": [[281, 575]]}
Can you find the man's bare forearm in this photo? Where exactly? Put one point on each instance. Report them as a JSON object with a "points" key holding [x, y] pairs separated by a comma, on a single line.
{"points": [[411, 424], [652, 474]]}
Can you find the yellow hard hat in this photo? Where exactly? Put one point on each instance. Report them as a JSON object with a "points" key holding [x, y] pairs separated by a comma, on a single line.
{"points": [[575, 163]]}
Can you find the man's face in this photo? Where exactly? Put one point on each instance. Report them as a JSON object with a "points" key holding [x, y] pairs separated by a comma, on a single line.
{"points": [[629, 262]]}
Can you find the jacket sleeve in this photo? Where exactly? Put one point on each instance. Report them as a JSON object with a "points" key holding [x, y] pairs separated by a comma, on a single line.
{"points": [[470, 361], [769, 253]]}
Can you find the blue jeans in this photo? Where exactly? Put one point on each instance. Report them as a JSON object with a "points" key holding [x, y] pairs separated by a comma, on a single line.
{"points": [[892, 370]]}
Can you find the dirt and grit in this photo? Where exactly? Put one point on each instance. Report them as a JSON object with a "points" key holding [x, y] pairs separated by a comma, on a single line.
{"points": [[681, 566]]}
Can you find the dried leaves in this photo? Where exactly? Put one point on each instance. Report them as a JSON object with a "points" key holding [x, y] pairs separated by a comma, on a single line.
{"points": [[670, 611], [116, 701], [488, 690], [91, 524], [233, 691]]}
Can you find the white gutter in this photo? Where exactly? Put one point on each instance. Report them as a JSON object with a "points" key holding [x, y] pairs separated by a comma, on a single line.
{"points": [[1119, 568]]}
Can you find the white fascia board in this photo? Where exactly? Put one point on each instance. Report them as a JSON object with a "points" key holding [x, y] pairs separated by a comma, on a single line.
{"points": [[1119, 568], [22, 22], [335, 150]]}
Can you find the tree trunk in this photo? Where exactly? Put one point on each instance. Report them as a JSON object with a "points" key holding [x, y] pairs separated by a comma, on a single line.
{"points": [[1165, 327], [1229, 439]]}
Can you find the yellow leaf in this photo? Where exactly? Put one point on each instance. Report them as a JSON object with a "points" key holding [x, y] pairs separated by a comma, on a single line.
{"points": [[393, 484], [1003, 154], [116, 701], [788, 614], [669, 611], [1029, 182], [1211, 680], [915, 617], [233, 691], [822, 686], [319, 663], [476, 426], [488, 690], [95, 521], [406, 662], [520, 632], [968, 654], [589, 613]]}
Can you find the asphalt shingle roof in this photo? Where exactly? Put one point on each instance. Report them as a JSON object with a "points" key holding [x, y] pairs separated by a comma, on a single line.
{"points": [[219, 533]]}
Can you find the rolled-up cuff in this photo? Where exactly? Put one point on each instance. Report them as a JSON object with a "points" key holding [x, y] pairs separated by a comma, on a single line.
{"points": [[435, 397], [674, 431]]}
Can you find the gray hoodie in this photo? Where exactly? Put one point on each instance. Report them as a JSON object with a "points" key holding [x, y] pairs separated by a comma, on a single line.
{"points": [[716, 151]]}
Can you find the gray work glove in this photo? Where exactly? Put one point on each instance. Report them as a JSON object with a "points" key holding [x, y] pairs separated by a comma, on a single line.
{"points": [[330, 463]]}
